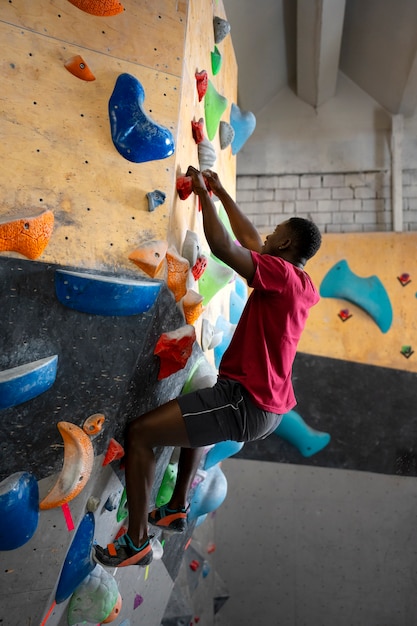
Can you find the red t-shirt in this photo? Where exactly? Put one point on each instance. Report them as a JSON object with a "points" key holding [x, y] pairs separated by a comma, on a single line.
{"points": [[262, 350]]}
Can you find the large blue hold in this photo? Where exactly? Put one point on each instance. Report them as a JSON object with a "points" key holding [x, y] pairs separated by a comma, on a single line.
{"points": [[243, 123], [22, 383], [104, 295], [367, 293], [78, 562], [135, 135], [19, 510]]}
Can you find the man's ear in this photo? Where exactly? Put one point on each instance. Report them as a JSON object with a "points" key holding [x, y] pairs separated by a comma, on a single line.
{"points": [[285, 244]]}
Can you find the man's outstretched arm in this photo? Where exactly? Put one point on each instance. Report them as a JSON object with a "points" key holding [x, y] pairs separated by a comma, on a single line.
{"points": [[221, 244], [245, 231]]}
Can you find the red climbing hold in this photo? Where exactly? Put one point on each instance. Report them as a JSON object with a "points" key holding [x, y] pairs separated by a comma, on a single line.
{"points": [[202, 84], [114, 451], [184, 187], [199, 267], [194, 565], [174, 349], [198, 130]]}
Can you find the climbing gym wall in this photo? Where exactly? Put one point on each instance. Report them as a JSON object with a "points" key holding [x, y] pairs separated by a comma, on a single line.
{"points": [[355, 371], [107, 285]]}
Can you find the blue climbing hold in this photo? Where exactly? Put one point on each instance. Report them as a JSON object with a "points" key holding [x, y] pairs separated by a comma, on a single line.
{"points": [[221, 451], [135, 135], [78, 563], [367, 293], [24, 382], [209, 494], [243, 123], [104, 295], [307, 440], [236, 306], [19, 510]]}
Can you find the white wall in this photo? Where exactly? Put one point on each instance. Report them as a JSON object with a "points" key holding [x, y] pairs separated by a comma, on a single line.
{"points": [[348, 133]]}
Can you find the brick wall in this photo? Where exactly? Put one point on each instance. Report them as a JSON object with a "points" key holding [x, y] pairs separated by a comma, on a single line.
{"points": [[337, 203]]}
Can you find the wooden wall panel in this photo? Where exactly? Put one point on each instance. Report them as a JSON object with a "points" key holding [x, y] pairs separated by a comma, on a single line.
{"points": [[387, 256], [56, 147], [197, 57], [146, 33]]}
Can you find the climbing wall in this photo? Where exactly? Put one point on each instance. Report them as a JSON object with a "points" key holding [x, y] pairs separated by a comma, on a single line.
{"points": [[355, 372], [97, 102]]}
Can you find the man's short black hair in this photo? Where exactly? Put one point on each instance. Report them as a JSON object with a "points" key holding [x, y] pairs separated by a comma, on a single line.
{"points": [[307, 236]]}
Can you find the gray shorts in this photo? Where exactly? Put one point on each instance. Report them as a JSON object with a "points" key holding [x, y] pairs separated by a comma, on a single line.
{"points": [[224, 413]]}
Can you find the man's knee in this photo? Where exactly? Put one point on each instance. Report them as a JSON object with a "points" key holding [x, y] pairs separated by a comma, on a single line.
{"points": [[136, 431]]}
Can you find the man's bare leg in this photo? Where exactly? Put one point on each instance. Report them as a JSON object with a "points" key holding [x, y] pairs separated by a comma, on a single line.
{"points": [[188, 464], [163, 426]]}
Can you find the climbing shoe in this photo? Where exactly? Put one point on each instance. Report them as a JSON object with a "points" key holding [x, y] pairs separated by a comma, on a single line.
{"points": [[169, 519], [123, 552]]}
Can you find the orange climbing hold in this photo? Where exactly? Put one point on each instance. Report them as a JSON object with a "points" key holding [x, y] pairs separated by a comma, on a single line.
{"points": [[77, 467], [192, 306], [114, 451], [102, 8], [28, 236], [178, 269], [94, 424], [150, 257], [114, 613], [79, 68], [174, 349]]}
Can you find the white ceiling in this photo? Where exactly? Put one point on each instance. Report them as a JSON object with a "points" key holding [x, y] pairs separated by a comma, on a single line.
{"points": [[303, 44]]}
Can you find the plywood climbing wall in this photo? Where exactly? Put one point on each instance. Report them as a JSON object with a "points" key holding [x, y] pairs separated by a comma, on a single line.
{"points": [[389, 258], [59, 158], [56, 148]]}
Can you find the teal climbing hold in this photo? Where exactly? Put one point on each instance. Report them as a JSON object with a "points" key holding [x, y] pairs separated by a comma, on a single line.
{"points": [[220, 451], [236, 306], [209, 494], [214, 106], [243, 123], [135, 135], [241, 287], [367, 293], [307, 440]]}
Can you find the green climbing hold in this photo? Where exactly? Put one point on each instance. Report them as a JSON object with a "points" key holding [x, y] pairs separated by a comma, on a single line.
{"points": [[214, 106], [216, 61]]}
